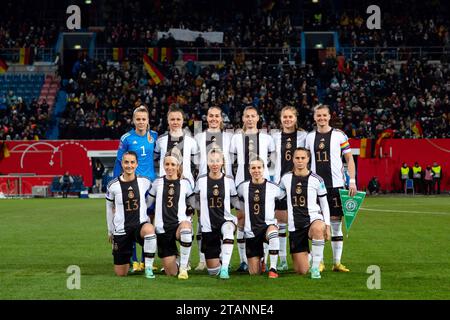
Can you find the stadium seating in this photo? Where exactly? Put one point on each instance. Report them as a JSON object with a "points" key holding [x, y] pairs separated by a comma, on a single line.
{"points": [[76, 187], [25, 85]]}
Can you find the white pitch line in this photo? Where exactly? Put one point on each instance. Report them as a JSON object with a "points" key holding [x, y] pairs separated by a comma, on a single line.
{"points": [[383, 210]]}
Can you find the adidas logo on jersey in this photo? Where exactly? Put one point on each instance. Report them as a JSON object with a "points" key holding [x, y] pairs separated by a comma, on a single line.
{"points": [[130, 188], [134, 142]]}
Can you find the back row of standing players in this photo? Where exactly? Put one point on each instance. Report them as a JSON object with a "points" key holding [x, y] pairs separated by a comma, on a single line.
{"points": [[265, 212]]}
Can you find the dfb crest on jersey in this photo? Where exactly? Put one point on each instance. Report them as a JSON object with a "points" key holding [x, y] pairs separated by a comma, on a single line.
{"points": [[216, 190], [149, 137], [130, 193], [171, 190], [288, 143], [251, 145], [213, 143], [256, 197], [298, 189], [321, 145]]}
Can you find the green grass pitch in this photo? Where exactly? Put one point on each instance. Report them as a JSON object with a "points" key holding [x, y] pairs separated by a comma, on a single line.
{"points": [[406, 237]]}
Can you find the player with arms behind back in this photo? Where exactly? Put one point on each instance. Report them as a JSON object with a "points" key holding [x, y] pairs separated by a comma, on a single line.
{"points": [[327, 146], [286, 141], [246, 145], [213, 138]]}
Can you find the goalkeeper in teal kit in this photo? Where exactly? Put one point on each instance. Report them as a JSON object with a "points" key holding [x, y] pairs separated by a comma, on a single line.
{"points": [[142, 141]]}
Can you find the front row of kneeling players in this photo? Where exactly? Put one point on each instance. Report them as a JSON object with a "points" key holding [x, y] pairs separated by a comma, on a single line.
{"points": [[129, 195]]}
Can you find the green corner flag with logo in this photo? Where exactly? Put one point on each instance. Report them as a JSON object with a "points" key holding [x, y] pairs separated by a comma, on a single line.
{"points": [[350, 206]]}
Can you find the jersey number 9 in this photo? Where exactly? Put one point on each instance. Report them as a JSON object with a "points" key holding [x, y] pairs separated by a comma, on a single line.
{"points": [[298, 201]]}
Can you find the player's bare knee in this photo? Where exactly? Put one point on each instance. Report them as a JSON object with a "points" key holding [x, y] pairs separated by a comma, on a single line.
{"points": [[300, 270], [170, 273], [317, 231], [121, 273], [253, 272], [272, 228], [281, 216], [147, 229], [185, 225]]}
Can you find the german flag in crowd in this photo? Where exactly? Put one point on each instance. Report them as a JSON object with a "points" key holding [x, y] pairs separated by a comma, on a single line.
{"points": [[417, 129], [4, 151], [25, 56], [365, 148], [388, 133], [118, 54], [155, 74], [161, 54], [3, 66]]}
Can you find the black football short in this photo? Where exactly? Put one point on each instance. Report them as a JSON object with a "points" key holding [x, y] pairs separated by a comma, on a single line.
{"points": [[211, 244], [167, 242], [123, 245], [281, 204], [334, 202], [299, 241], [254, 247]]}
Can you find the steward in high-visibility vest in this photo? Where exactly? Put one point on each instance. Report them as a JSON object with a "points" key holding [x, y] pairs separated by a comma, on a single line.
{"points": [[417, 176], [404, 175], [417, 171], [436, 178]]}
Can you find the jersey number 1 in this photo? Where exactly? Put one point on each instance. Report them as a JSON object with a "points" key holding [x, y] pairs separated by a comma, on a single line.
{"points": [[319, 158]]}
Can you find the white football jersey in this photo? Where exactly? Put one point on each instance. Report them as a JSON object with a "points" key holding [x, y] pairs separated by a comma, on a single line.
{"points": [[188, 147], [216, 197], [285, 145], [303, 194], [206, 141], [245, 147], [326, 155], [126, 205], [170, 198], [259, 205]]}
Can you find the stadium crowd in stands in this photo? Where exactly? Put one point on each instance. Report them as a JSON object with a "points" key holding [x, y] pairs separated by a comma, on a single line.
{"points": [[21, 121], [366, 98], [367, 94]]}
